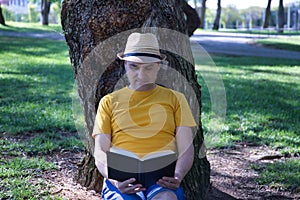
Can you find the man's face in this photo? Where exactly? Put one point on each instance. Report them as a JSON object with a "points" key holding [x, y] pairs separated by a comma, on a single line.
{"points": [[140, 74]]}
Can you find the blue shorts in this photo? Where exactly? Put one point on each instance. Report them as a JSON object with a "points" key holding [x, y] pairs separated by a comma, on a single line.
{"points": [[110, 192]]}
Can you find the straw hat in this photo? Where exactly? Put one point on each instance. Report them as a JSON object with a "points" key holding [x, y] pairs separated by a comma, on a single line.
{"points": [[142, 48]]}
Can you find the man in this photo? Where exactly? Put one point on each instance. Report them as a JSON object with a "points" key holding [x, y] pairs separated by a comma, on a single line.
{"points": [[144, 118]]}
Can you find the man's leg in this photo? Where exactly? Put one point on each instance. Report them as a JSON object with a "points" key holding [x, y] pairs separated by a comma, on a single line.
{"points": [[165, 195], [110, 192], [157, 192]]}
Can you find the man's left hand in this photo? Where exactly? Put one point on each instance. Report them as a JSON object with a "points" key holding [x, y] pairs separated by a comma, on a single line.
{"points": [[169, 182]]}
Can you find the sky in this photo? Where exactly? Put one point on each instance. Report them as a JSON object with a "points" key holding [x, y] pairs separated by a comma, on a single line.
{"points": [[241, 4]]}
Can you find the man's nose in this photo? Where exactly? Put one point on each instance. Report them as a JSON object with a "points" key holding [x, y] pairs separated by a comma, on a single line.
{"points": [[141, 73]]}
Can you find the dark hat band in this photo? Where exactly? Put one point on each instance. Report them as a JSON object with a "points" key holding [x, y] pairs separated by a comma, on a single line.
{"points": [[142, 54]]}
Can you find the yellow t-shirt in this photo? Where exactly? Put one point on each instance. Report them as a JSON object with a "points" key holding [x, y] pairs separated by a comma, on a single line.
{"points": [[143, 121]]}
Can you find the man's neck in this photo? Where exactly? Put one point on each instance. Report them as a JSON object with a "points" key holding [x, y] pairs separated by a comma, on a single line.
{"points": [[145, 87]]}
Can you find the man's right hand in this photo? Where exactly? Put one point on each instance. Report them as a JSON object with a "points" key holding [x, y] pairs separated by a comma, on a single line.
{"points": [[127, 187]]}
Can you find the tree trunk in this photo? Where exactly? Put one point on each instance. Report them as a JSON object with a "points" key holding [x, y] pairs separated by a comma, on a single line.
{"points": [[218, 16], [193, 20], [280, 17], [267, 14], [95, 31], [2, 20], [203, 11], [45, 10]]}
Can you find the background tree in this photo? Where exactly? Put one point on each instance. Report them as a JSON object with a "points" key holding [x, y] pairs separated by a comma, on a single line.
{"points": [[2, 20], [267, 15], [231, 16], [89, 23], [45, 10], [202, 16], [218, 16], [255, 14], [280, 21], [193, 20]]}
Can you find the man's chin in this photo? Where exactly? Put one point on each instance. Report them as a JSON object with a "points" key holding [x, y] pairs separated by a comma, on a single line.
{"points": [[145, 86]]}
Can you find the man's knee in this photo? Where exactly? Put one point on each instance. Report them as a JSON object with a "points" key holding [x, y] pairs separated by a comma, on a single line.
{"points": [[165, 195]]}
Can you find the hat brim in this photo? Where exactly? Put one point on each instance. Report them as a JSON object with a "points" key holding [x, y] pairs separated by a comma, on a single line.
{"points": [[141, 59]]}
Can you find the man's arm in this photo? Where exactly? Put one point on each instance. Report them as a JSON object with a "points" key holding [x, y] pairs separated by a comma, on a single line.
{"points": [[184, 140], [102, 145]]}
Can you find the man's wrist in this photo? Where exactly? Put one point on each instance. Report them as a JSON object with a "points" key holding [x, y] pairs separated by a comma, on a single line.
{"points": [[178, 176], [114, 182]]}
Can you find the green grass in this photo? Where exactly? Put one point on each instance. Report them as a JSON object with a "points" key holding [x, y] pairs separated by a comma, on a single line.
{"points": [[262, 31], [262, 108], [36, 82], [289, 176], [24, 27], [17, 178], [262, 102], [41, 144], [288, 43]]}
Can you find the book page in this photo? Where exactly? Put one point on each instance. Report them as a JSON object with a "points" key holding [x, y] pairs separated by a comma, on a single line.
{"points": [[157, 163], [122, 163], [157, 154], [123, 152]]}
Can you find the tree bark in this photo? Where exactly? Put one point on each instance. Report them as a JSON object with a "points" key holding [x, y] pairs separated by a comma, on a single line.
{"points": [[203, 11], [2, 20], [193, 20], [280, 17], [267, 15], [45, 10], [91, 27], [218, 16]]}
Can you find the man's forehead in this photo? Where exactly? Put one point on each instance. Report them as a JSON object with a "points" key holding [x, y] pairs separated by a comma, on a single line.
{"points": [[141, 64]]}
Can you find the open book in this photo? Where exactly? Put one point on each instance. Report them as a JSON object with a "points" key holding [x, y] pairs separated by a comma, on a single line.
{"points": [[123, 165]]}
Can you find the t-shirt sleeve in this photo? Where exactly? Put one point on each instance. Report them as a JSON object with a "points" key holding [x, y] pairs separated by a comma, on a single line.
{"points": [[183, 113], [103, 117]]}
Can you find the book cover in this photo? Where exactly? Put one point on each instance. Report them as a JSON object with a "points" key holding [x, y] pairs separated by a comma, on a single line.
{"points": [[123, 165]]}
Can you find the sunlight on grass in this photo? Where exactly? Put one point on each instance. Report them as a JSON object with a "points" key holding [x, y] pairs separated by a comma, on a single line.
{"points": [[262, 103], [17, 178], [30, 27], [262, 108], [36, 86], [36, 82], [41, 144], [289, 176], [288, 43]]}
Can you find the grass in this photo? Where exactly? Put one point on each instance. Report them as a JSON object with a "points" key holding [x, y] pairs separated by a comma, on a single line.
{"points": [[24, 27], [262, 102], [17, 178], [288, 43], [289, 176], [262, 31], [36, 82], [262, 108]]}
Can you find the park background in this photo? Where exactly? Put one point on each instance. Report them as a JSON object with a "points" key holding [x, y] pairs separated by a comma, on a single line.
{"points": [[255, 154]]}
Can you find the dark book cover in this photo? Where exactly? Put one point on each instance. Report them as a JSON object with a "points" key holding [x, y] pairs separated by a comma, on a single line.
{"points": [[123, 165]]}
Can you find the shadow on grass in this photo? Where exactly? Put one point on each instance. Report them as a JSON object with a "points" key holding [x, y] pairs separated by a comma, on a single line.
{"points": [[36, 85], [284, 46], [42, 103], [262, 101], [248, 61]]}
